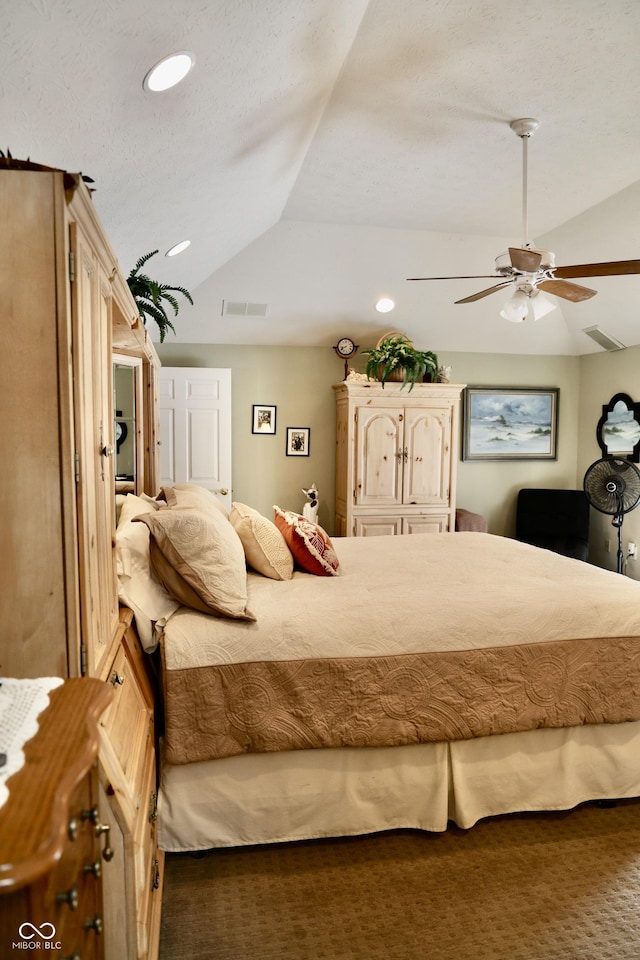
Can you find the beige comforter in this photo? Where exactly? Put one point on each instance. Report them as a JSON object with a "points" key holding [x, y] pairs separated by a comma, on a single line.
{"points": [[422, 638]]}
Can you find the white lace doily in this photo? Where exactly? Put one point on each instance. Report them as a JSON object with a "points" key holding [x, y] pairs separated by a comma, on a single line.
{"points": [[21, 703]]}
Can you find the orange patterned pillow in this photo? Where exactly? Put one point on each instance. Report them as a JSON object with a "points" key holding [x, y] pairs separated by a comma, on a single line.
{"points": [[310, 545]]}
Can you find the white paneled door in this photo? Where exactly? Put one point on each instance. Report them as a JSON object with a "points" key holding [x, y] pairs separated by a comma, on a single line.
{"points": [[195, 428]]}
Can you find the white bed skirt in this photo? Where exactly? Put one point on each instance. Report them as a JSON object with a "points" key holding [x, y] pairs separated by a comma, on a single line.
{"points": [[304, 794]]}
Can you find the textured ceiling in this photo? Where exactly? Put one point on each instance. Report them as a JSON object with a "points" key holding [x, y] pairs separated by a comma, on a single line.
{"points": [[388, 114]]}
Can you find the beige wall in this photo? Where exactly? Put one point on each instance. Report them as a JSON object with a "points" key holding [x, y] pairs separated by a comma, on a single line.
{"points": [[297, 380], [491, 488]]}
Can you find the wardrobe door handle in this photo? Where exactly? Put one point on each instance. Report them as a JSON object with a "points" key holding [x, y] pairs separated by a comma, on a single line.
{"points": [[95, 924], [69, 896], [103, 829]]}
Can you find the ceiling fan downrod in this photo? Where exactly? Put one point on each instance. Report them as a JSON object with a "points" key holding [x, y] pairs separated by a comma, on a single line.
{"points": [[524, 128]]}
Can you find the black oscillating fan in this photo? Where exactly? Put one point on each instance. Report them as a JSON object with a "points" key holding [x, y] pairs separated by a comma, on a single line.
{"points": [[612, 486]]}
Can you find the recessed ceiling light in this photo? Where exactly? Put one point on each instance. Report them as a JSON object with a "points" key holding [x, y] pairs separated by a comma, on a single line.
{"points": [[177, 248], [168, 71], [385, 304]]}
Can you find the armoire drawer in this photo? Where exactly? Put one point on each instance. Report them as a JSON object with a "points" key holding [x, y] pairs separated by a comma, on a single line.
{"points": [[127, 727]]}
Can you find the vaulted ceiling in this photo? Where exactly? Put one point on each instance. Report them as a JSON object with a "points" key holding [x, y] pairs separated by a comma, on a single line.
{"points": [[321, 151]]}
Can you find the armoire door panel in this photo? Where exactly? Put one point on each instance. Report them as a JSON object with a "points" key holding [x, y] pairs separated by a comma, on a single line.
{"points": [[94, 433], [38, 600], [378, 526], [379, 457], [426, 524], [427, 467]]}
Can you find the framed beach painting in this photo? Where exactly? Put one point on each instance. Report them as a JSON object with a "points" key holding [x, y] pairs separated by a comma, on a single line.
{"points": [[510, 423]]}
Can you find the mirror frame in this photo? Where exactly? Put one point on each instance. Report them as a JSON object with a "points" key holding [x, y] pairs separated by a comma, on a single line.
{"points": [[634, 454], [135, 364]]}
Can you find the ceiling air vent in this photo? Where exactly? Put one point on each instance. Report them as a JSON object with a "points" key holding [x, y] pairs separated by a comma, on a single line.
{"points": [[241, 308], [603, 339]]}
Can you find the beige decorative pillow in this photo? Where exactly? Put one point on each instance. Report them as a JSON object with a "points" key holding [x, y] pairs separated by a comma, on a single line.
{"points": [[265, 548], [192, 496], [200, 560], [138, 587]]}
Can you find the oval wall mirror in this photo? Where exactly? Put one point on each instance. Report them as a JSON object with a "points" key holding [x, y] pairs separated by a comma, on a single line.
{"points": [[618, 430]]}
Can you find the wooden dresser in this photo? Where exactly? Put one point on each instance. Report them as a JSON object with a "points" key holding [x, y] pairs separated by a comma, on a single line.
{"points": [[67, 311], [396, 458], [54, 849]]}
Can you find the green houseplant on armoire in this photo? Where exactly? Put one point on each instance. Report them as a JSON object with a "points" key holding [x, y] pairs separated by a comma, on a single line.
{"points": [[394, 358], [151, 296]]}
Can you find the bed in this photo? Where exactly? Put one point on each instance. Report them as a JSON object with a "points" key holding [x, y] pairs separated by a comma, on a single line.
{"points": [[416, 681]]}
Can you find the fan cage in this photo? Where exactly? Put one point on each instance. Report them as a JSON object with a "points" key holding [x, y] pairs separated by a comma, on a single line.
{"points": [[612, 485]]}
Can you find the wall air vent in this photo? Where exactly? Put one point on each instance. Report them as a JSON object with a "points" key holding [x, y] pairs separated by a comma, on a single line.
{"points": [[241, 308], [603, 339]]}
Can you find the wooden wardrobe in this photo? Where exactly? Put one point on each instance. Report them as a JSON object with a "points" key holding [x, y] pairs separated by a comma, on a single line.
{"points": [[66, 309], [396, 458]]}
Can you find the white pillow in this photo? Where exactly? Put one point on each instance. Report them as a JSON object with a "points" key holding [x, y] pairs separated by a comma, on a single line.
{"points": [[138, 586], [264, 546], [183, 496]]}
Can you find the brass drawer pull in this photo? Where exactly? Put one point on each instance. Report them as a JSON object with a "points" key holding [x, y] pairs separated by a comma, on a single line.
{"points": [[116, 679], [69, 896], [94, 868], [72, 829], [103, 829]]}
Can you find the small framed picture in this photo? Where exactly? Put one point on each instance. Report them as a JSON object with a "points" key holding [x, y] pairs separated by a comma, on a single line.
{"points": [[264, 419], [298, 441]]}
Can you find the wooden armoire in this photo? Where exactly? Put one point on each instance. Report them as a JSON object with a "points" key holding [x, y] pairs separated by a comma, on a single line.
{"points": [[66, 310], [396, 458]]}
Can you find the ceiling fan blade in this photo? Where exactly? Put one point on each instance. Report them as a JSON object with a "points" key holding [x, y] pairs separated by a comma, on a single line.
{"points": [[484, 293], [484, 276], [526, 261], [568, 291], [615, 268]]}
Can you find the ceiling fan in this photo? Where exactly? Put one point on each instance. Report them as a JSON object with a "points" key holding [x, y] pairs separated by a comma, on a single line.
{"points": [[532, 270]]}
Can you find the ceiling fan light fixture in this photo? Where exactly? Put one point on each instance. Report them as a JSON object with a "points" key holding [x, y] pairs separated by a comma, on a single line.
{"points": [[541, 305], [168, 72], [516, 308]]}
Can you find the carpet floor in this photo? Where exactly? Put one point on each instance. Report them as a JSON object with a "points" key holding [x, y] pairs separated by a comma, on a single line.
{"points": [[547, 886]]}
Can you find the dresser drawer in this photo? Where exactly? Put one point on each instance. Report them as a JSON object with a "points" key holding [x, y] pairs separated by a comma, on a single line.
{"points": [[50, 845], [66, 904], [127, 725], [149, 861]]}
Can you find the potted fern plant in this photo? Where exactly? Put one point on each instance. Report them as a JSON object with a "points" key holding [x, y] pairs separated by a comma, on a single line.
{"points": [[149, 296], [394, 358]]}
